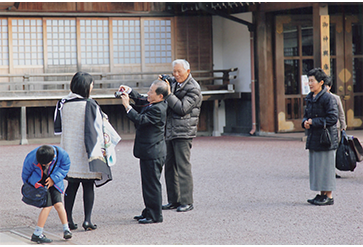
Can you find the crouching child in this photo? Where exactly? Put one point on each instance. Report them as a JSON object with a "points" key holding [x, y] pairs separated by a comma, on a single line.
{"points": [[48, 166]]}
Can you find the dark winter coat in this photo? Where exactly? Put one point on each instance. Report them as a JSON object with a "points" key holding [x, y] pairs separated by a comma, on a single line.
{"points": [[183, 109], [322, 107]]}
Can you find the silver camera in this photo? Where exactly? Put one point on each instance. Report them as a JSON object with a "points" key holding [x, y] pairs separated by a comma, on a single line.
{"points": [[118, 94]]}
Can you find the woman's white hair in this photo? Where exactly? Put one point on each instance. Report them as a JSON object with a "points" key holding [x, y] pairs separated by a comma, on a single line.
{"points": [[182, 62]]}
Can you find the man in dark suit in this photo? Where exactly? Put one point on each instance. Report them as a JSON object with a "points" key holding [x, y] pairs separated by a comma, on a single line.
{"points": [[149, 144]]}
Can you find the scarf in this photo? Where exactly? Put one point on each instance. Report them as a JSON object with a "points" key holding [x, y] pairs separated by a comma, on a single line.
{"points": [[58, 111]]}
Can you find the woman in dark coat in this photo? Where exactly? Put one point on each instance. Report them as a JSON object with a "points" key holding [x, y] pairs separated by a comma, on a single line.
{"points": [[321, 108]]}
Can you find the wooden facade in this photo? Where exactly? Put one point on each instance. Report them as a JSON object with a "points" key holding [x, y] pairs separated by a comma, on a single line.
{"points": [[82, 7], [190, 38], [289, 44]]}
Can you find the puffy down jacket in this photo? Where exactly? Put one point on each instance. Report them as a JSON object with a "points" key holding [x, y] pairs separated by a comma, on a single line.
{"points": [[322, 107]]}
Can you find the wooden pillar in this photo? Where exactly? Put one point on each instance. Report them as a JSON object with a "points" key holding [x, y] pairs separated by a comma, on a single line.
{"points": [[265, 82], [216, 131], [325, 39], [110, 44], [23, 139], [321, 37], [316, 35], [78, 27]]}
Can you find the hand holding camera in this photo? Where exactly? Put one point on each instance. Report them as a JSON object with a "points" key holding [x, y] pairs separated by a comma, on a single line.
{"points": [[122, 90], [167, 79], [123, 95], [125, 100], [118, 94]]}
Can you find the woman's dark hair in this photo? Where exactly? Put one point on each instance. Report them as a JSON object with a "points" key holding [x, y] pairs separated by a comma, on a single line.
{"points": [[81, 83], [318, 73], [45, 154]]}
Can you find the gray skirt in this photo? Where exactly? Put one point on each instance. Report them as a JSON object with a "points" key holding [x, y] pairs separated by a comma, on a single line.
{"points": [[322, 170]]}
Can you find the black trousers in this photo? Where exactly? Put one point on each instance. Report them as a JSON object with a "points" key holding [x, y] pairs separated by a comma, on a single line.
{"points": [[178, 171], [151, 188]]}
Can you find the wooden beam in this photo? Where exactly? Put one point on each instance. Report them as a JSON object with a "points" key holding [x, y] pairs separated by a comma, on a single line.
{"points": [[316, 35], [274, 6]]}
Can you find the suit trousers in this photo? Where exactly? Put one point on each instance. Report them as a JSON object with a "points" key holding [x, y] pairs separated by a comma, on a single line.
{"points": [[178, 171], [151, 188]]}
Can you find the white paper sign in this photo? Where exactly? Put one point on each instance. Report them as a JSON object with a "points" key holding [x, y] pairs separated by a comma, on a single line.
{"points": [[305, 85]]}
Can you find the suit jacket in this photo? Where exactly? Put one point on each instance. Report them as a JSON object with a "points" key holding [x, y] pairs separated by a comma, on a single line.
{"points": [[150, 127]]}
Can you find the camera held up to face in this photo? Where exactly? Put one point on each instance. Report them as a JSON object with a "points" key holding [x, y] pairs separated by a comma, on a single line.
{"points": [[118, 94], [165, 77]]}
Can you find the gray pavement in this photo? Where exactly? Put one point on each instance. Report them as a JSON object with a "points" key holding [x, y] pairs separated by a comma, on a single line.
{"points": [[247, 190]]}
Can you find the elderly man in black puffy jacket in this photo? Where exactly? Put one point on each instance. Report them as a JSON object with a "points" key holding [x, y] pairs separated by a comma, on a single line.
{"points": [[184, 102]]}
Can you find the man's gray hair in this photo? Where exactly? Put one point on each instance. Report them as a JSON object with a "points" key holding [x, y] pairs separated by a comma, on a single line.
{"points": [[182, 62]]}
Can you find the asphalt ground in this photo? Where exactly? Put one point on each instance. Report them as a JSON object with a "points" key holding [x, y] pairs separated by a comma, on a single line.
{"points": [[248, 190]]}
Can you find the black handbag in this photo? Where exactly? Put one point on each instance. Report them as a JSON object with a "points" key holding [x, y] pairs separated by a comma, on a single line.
{"points": [[325, 139], [345, 156], [34, 196], [357, 148]]}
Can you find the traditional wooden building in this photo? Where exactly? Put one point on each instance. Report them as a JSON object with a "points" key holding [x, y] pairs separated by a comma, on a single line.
{"points": [[43, 44], [287, 40], [273, 45], [293, 38]]}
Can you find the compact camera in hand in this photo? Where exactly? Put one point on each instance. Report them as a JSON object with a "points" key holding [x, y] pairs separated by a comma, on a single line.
{"points": [[118, 94]]}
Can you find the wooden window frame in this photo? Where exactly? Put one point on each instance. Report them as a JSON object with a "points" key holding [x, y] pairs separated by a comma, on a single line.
{"points": [[157, 66], [116, 48], [72, 46], [11, 45], [93, 40], [81, 37], [4, 54]]}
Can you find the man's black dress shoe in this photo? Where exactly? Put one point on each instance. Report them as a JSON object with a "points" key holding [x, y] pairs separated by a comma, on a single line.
{"points": [[317, 197], [148, 221], [139, 217], [324, 200], [185, 208], [170, 206], [40, 239]]}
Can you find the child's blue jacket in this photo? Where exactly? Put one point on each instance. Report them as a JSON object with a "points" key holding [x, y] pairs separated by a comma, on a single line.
{"points": [[32, 171]]}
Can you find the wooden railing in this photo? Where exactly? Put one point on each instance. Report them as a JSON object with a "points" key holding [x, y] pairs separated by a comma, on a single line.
{"points": [[44, 90], [23, 87], [103, 76]]}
